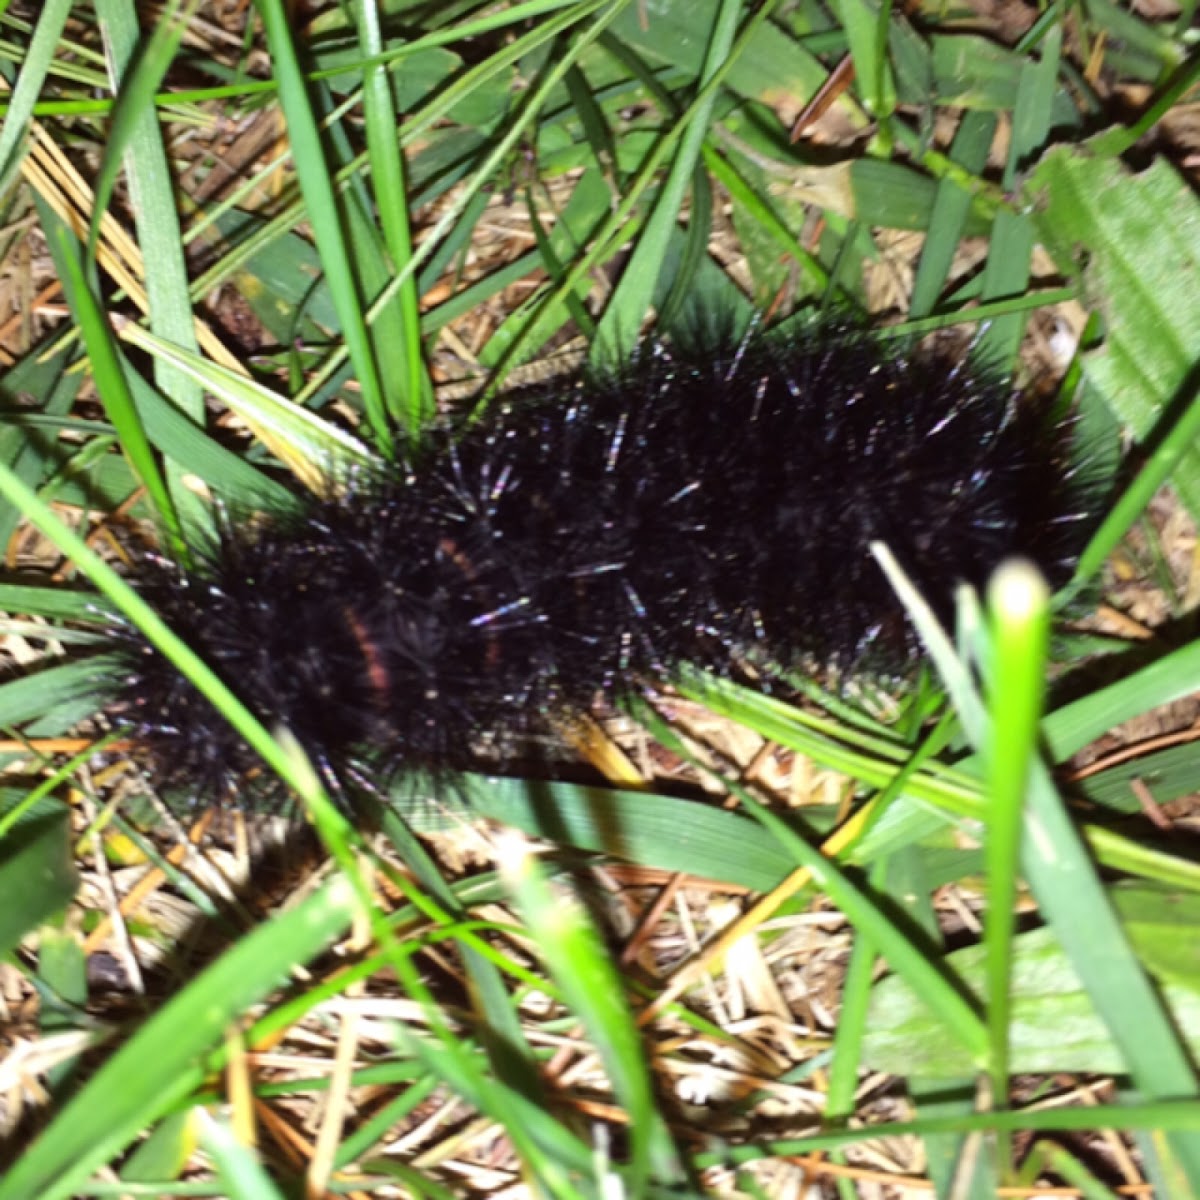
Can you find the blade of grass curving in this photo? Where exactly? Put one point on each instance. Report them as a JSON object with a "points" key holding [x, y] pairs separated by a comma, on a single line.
{"points": [[239, 1169], [179, 439], [237, 479], [314, 449], [1120, 138], [910, 767], [1046, 1156], [320, 199]]}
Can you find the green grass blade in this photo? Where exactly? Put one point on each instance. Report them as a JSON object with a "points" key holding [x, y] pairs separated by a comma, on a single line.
{"points": [[621, 326], [951, 208], [866, 27], [587, 976], [315, 449], [391, 202], [133, 114], [108, 370], [320, 199], [1176, 675], [161, 1063], [1018, 604], [1074, 902], [903, 955], [239, 1168], [135, 139], [34, 68]]}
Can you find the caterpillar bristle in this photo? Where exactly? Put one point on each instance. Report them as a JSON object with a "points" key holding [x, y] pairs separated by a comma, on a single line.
{"points": [[714, 498]]}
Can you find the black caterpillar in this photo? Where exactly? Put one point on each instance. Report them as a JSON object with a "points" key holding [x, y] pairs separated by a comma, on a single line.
{"points": [[699, 506]]}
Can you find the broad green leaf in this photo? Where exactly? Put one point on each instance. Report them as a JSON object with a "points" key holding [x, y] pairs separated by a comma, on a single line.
{"points": [[1134, 238], [772, 67], [1054, 1024]]}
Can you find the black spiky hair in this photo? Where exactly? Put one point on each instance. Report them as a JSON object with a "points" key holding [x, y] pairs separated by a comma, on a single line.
{"points": [[714, 497]]}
